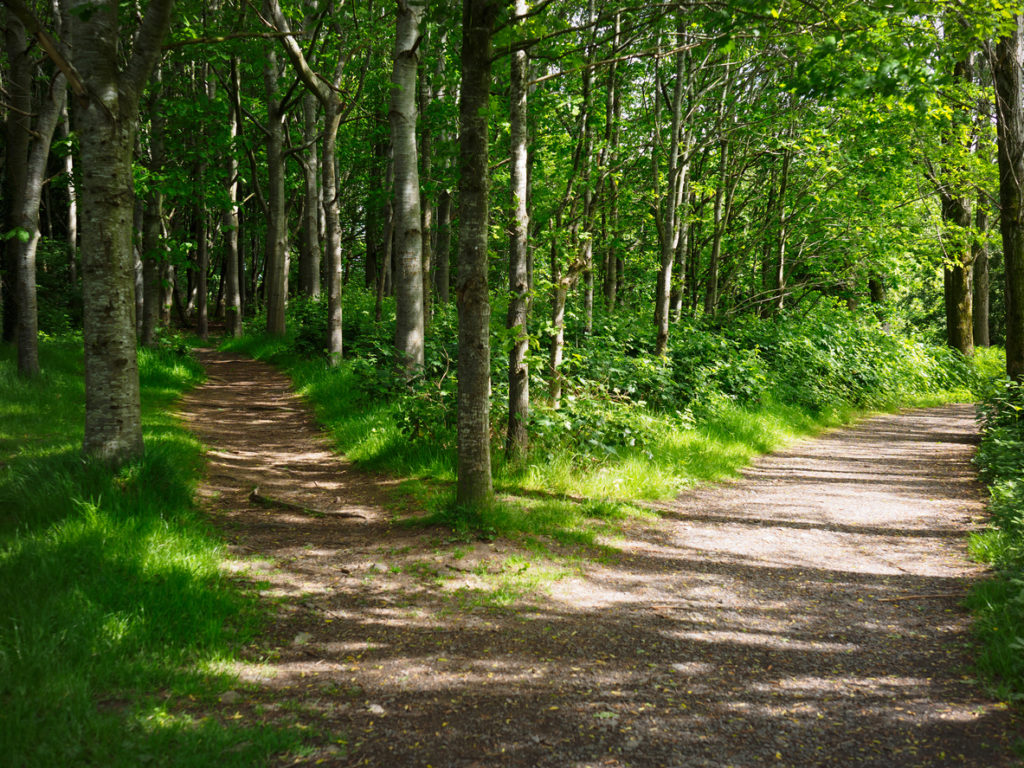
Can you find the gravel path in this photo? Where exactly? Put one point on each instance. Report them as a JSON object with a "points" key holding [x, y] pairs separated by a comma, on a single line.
{"points": [[807, 615]]}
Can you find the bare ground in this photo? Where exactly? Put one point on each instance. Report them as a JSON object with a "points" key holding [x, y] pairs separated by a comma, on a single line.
{"points": [[807, 615]]}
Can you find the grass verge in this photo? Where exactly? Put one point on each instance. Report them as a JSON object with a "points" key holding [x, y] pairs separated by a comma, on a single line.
{"points": [[115, 610], [998, 602], [590, 465]]}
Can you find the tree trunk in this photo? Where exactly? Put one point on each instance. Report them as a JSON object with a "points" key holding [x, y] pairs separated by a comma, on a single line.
{"points": [[275, 277], [232, 258], [309, 254], [47, 112], [588, 175], [152, 227], [957, 292], [718, 231], [474, 487], [443, 251], [18, 134], [106, 127], [667, 214], [981, 278], [1008, 73], [516, 440], [408, 224], [613, 117]]}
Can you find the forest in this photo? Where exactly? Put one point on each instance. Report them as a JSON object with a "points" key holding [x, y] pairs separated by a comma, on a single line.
{"points": [[545, 264]]}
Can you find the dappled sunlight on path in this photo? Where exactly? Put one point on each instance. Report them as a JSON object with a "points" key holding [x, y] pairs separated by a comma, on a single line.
{"points": [[806, 615]]}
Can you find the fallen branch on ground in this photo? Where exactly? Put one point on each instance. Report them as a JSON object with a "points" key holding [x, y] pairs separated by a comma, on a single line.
{"points": [[269, 501]]}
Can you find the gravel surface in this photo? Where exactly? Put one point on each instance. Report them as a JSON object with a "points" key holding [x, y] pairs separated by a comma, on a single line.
{"points": [[806, 615]]}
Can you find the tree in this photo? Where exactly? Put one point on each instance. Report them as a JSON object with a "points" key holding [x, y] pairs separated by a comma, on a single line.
{"points": [[106, 124], [327, 93], [408, 223], [29, 135], [1008, 73], [474, 488], [518, 274]]}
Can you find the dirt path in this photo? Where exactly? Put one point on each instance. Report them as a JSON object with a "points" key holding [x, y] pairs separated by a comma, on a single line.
{"points": [[806, 616]]}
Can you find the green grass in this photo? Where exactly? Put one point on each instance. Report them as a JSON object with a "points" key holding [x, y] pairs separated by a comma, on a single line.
{"points": [[115, 610]]}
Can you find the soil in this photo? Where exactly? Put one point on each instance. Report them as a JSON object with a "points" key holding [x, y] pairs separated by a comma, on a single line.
{"points": [[808, 614]]}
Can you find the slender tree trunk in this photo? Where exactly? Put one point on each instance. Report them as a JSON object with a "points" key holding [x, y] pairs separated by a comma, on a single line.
{"points": [[332, 223], [431, 89], [72, 211], [408, 224], [611, 138], [152, 225], [981, 279], [588, 175], [559, 294], [957, 276], [232, 257], [276, 269], [47, 112], [443, 251], [779, 263], [516, 440], [474, 487], [309, 258], [667, 215], [18, 134], [714, 265]]}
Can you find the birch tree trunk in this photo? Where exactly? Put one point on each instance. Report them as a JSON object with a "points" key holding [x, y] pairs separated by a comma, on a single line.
{"points": [[408, 224], [517, 438], [474, 488], [667, 215]]}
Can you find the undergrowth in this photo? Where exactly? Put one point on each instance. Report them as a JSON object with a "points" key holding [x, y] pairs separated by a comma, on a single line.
{"points": [[631, 425], [115, 611], [998, 602]]}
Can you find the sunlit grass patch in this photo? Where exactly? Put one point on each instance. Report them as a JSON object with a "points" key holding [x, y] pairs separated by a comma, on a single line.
{"points": [[111, 584]]}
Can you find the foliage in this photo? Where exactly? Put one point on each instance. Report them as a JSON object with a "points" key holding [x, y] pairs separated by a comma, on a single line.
{"points": [[110, 583], [999, 601]]}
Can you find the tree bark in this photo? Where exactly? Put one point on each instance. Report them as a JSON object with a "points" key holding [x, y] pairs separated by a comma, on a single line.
{"points": [[408, 224], [981, 279], [232, 260], [309, 255], [474, 487], [32, 173], [106, 131], [957, 293], [667, 214], [517, 439], [613, 117], [327, 94], [276, 267], [152, 225], [18, 133]]}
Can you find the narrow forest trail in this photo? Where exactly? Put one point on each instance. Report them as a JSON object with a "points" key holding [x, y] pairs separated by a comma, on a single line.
{"points": [[807, 615]]}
